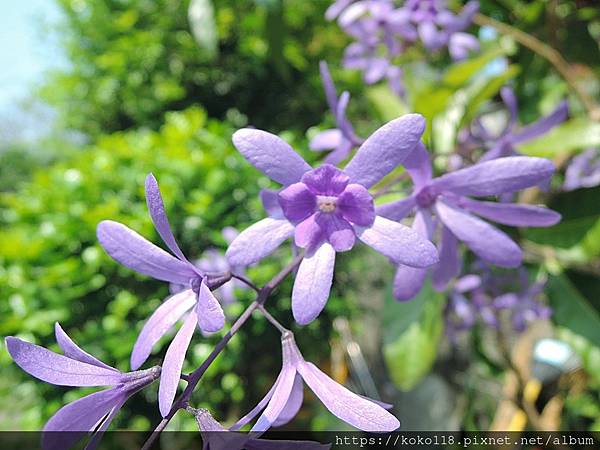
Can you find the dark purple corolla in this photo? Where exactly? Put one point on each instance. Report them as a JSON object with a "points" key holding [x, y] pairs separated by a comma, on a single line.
{"points": [[583, 171], [197, 300], [283, 401], [327, 209], [447, 197], [341, 140], [90, 414]]}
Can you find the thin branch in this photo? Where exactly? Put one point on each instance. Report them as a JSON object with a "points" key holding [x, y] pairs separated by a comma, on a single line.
{"points": [[273, 320], [246, 281], [196, 375]]}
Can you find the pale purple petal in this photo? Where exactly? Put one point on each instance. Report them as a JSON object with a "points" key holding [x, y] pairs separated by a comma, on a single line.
{"points": [[356, 205], [352, 13], [326, 140], [339, 154], [297, 202], [418, 165], [270, 202], [73, 351], [486, 241], [495, 177], [133, 251], [256, 410], [385, 149], [156, 208], [543, 125], [510, 100], [512, 214], [104, 424], [398, 242], [293, 404], [173, 362], [258, 241], [467, 283], [336, 8], [449, 265], [312, 284], [345, 405], [58, 369], [328, 85], [397, 210], [208, 311], [460, 44], [408, 282], [339, 232], [74, 420], [376, 70], [281, 395], [326, 180], [429, 35], [271, 155], [161, 321]]}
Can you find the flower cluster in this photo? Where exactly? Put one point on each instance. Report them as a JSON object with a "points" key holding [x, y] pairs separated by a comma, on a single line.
{"points": [[583, 171]]}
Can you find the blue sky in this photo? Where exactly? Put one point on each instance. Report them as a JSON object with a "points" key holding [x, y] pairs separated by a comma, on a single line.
{"points": [[26, 51]]}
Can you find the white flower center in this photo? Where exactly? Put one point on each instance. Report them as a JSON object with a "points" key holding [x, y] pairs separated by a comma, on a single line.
{"points": [[326, 203]]}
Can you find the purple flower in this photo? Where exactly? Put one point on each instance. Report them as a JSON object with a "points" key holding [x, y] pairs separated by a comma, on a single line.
{"points": [[135, 252], [447, 198], [504, 144], [583, 171], [524, 307], [284, 400], [90, 414], [340, 140], [327, 209]]}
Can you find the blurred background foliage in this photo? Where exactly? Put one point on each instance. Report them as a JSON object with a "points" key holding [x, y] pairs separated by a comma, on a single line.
{"points": [[146, 90]]}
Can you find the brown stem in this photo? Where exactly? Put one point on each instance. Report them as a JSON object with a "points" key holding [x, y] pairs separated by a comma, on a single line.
{"points": [[194, 378], [547, 52]]}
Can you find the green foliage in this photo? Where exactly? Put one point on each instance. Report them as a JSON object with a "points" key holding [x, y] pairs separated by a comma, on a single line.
{"points": [[565, 139]]}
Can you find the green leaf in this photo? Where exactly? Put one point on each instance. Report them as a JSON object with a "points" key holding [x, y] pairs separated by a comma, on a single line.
{"points": [[386, 103], [571, 309], [412, 334], [201, 16], [564, 139], [459, 74]]}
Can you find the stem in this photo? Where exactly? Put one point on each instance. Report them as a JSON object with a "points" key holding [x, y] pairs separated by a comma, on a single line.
{"points": [[194, 378], [246, 281], [547, 52], [273, 320]]}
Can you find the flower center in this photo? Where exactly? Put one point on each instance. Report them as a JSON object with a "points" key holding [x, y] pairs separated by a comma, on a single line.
{"points": [[426, 197], [326, 203]]}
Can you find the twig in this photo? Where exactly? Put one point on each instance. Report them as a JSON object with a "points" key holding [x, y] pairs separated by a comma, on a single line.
{"points": [[273, 320], [246, 281], [196, 375]]}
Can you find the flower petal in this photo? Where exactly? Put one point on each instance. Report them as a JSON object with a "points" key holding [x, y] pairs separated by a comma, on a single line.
{"points": [[74, 420], [258, 241], [161, 321], [347, 406], [73, 351], [543, 125], [497, 176], [309, 233], [397, 210], [408, 282], [399, 243], [208, 311], [172, 364], [133, 251], [326, 180], [58, 369], [271, 155], [256, 410], [486, 241], [281, 395], [328, 86], [103, 425], [293, 404], [297, 202], [418, 165], [385, 149], [356, 205], [511, 214], [449, 265], [326, 140], [312, 284], [339, 232], [270, 202], [156, 207]]}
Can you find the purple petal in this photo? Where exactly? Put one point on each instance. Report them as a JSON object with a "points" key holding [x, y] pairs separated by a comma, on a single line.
{"points": [[258, 241], [281, 395], [449, 265], [543, 125], [256, 410], [339, 232], [309, 233], [397, 210], [293, 404], [376, 70], [339, 154], [172, 364], [312, 284], [326, 180], [467, 283], [58, 369], [326, 140], [385, 149], [133, 251], [103, 425], [496, 177], [156, 208], [399, 243], [511, 214], [161, 321], [270, 202], [336, 8], [329, 86], [347, 406], [208, 311], [73, 421], [510, 100], [486, 241], [429, 34], [73, 351], [460, 44], [408, 282], [297, 202], [418, 165], [356, 205], [271, 155]]}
